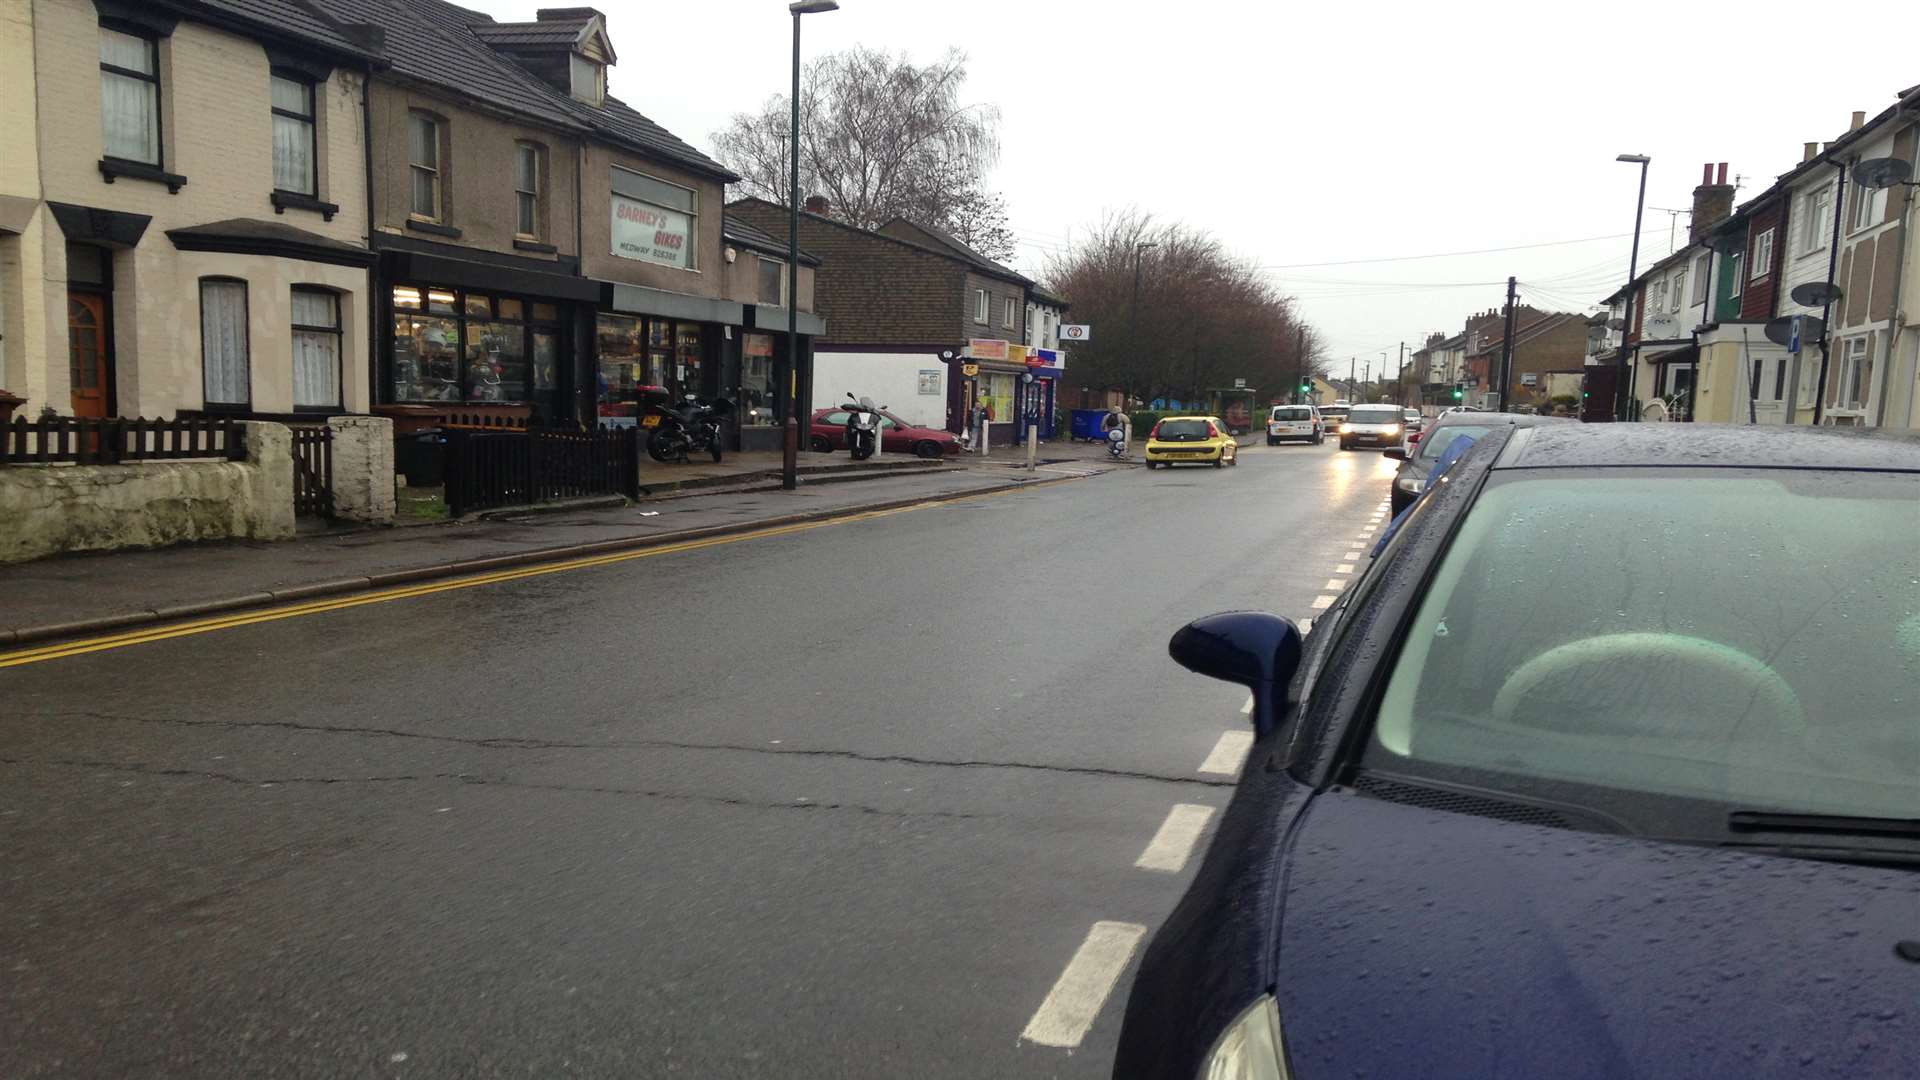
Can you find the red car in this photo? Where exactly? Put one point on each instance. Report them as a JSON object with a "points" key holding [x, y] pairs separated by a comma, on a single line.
{"points": [[896, 435]]}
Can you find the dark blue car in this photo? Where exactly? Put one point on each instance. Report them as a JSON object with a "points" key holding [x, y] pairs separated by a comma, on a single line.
{"points": [[1608, 767]]}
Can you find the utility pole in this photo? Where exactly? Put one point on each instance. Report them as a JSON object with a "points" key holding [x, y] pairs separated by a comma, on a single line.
{"points": [[1352, 366], [1506, 352], [1299, 362], [1400, 377]]}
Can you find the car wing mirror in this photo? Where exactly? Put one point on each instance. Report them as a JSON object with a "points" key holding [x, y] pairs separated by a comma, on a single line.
{"points": [[1397, 453], [1255, 649]]}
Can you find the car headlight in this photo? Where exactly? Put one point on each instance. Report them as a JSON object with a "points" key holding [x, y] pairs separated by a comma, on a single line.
{"points": [[1251, 1048], [1392, 429], [1408, 483], [1346, 429]]}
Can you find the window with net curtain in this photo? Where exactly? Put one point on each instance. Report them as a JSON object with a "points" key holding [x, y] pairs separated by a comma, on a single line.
{"points": [[223, 341], [316, 349], [293, 136], [130, 97]]}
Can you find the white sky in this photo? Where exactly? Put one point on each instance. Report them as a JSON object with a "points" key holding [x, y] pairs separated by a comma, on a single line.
{"points": [[1316, 133]]}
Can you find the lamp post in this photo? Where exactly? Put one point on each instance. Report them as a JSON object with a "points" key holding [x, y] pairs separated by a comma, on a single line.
{"points": [[1133, 313], [1623, 393], [790, 456]]}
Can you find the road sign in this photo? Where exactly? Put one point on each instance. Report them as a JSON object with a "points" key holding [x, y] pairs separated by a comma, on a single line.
{"points": [[1076, 332], [1239, 384], [1793, 335]]}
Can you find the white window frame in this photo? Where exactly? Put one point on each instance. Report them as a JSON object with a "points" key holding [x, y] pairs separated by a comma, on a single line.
{"points": [[1677, 289], [1007, 307], [528, 196], [1848, 393], [580, 69], [1869, 207], [1656, 299], [1818, 207], [430, 169], [1700, 275], [1736, 274], [1762, 267], [982, 309]]}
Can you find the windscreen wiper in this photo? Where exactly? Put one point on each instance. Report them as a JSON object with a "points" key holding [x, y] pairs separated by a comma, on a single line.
{"points": [[1751, 821]]}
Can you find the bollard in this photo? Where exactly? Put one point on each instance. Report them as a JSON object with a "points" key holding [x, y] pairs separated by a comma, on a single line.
{"points": [[1033, 444]]}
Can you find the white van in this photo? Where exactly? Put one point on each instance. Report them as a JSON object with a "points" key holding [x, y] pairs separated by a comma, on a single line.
{"points": [[1300, 422]]}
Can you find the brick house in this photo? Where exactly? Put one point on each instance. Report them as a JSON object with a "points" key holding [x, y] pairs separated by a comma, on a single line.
{"points": [[901, 303], [1543, 342]]}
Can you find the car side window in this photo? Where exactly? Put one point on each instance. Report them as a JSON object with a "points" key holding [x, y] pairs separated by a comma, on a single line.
{"points": [[836, 418], [887, 422]]}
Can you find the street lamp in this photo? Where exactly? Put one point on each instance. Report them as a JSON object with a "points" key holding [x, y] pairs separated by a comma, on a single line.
{"points": [[790, 456], [1623, 393]]}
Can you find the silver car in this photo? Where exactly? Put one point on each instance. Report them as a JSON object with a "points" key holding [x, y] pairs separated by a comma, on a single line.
{"points": [[1374, 426]]}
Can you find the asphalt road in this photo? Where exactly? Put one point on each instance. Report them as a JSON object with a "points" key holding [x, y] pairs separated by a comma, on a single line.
{"points": [[839, 803]]}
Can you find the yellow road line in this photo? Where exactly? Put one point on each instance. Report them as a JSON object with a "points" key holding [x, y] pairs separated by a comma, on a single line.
{"points": [[317, 607]]}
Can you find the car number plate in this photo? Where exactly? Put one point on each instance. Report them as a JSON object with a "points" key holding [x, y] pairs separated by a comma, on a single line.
{"points": [[650, 421]]}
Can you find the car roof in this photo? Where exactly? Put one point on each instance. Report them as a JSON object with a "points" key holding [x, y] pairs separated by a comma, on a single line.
{"points": [[1188, 416], [1573, 445]]}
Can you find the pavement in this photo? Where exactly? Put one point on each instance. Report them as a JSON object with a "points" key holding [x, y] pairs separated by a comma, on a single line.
{"points": [[844, 800]]}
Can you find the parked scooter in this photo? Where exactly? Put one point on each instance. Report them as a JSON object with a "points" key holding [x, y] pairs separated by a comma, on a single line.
{"points": [[690, 427], [863, 427]]}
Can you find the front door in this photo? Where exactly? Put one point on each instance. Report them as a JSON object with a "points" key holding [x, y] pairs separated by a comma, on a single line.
{"points": [[87, 353]]}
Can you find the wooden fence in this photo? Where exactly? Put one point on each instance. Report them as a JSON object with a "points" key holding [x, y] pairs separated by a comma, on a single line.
{"points": [[117, 440], [313, 471]]}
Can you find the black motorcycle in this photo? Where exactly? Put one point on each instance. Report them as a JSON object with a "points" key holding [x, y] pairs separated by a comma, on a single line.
{"points": [[674, 431], [863, 427]]}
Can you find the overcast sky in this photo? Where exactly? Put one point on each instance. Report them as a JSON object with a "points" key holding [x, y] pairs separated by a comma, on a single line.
{"points": [[1328, 133]]}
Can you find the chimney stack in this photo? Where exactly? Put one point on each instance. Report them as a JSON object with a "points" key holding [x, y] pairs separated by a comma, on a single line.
{"points": [[1809, 151], [1859, 120], [1712, 202], [817, 204]]}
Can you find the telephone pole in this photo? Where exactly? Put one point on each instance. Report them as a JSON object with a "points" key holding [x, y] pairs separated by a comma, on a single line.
{"points": [[1400, 377], [1299, 362], [1353, 365], [1506, 352]]}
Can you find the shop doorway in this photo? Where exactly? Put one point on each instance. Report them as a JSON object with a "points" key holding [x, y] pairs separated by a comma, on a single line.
{"points": [[90, 371]]}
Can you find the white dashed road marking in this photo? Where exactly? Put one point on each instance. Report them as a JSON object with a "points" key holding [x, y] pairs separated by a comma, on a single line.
{"points": [[1322, 603], [1169, 848], [1368, 531], [1334, 583], [1355, 554], [1247, 709], [1228, 753], [1069, 1010], [1344, 568]]}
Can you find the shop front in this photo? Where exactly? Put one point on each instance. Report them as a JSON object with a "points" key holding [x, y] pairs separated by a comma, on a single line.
{"points": [[653, 345], [479, 341]]}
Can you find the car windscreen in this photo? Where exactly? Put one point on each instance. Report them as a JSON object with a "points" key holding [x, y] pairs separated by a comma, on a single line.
{"points": [[1181, 430], [1337, 412], [1368, 415], [1292, 413], [1746, 637], [1435, 442]]}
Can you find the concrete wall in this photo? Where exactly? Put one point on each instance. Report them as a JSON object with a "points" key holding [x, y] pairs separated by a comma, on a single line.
{"points": [[708, 276], [45, 510], [476, 176], [363, 468], [891, 379], [217, 132]]}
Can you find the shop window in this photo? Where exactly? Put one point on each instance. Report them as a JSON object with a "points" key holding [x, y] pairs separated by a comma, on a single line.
{"points": [[423, 164], [316, 348], [294, 148], [772, 275], [756, 381], [472, 347], [223, 343], [641, 358], [130, 96]]}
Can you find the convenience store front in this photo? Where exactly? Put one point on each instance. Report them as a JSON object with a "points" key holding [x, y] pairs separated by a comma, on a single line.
{"points": [[649, 342]]}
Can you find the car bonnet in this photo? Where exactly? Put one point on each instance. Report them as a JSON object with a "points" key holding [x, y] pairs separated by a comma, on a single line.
{"points": [[1425, 942]]}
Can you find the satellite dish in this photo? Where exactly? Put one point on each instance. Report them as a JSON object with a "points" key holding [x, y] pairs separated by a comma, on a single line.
{"points": [[1780, 330], [1616, 324], [1815, 293], [1882, 172], [1662, 326], [1727, 243]]}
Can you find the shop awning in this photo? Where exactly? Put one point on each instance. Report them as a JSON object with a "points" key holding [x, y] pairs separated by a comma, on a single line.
{"points": [[766, 317], [402, 265], [641, 300]]}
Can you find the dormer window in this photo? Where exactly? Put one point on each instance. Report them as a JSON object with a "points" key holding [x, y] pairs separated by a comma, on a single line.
{"points": [[589, 79]]}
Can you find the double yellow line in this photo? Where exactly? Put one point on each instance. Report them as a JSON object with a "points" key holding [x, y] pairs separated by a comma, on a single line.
{"points": [[226, 622]]}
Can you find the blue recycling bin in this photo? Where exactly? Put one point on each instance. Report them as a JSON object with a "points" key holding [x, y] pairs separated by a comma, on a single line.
{"points": [[1088, 424]]}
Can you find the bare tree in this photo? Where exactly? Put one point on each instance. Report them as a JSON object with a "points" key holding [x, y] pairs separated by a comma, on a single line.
{"points": [[881, 137], [1203, 318]]}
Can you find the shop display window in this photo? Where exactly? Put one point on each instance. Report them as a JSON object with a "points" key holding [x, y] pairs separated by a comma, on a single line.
{"points": [[454, 346], [756, 381]]}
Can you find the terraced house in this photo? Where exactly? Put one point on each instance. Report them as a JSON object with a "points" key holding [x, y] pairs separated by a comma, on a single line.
{"points": [[182, 208]]}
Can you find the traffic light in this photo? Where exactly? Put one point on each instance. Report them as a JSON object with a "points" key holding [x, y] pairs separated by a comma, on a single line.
{"points": [[1459, 392], [1306, 386]]}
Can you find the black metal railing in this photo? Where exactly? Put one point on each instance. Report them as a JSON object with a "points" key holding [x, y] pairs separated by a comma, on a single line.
{"points": [[489, 469], [313, 471], [118, 440]]}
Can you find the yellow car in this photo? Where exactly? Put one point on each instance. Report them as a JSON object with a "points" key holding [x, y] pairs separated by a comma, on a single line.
{"points": [[1191, 438]]}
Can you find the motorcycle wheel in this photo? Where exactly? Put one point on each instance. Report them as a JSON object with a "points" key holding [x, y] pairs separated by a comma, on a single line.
{"points": [[861, 453], [666, 445], [714, 449]]}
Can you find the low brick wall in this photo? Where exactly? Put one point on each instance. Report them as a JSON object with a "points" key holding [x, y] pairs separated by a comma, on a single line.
{"points": [[49, 509]]}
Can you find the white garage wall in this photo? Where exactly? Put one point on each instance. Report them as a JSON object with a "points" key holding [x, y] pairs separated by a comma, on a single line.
{"points": [[890, 379]]}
